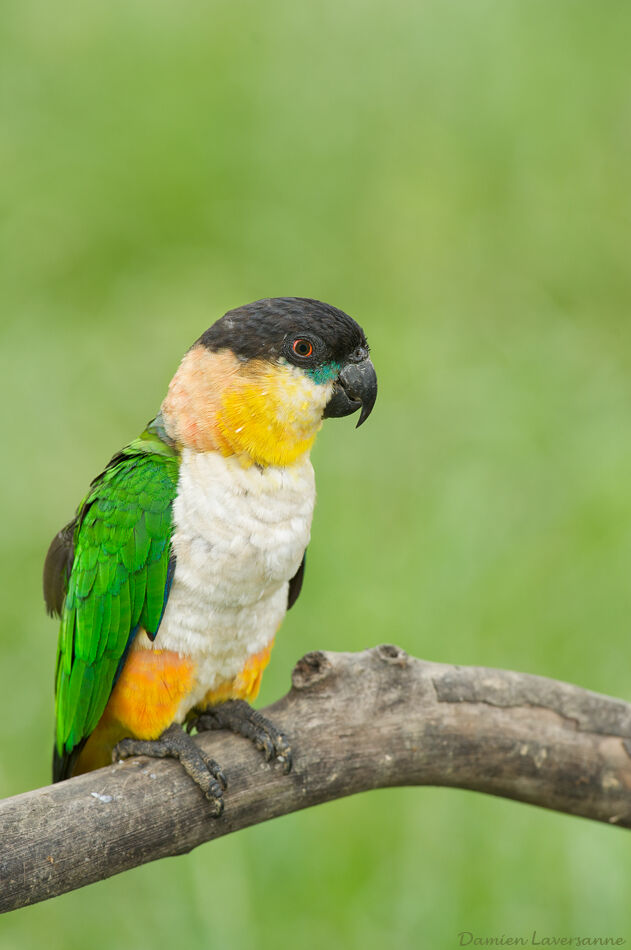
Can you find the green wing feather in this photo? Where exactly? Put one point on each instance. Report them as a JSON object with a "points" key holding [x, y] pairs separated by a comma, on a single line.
{"points": [[106, 574]]}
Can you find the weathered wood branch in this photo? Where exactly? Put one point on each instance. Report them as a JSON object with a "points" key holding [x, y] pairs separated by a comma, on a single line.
{"points": [[356, 722]]}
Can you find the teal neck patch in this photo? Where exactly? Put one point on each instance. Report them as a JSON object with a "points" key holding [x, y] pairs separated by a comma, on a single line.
{"points": [[325, 373]]}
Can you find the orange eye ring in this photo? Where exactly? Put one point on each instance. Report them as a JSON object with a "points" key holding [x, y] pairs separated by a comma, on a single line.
{"points": [[302, 348]]}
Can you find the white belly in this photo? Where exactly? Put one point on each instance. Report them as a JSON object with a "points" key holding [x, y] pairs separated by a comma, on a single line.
{"points": [[240, 534]]}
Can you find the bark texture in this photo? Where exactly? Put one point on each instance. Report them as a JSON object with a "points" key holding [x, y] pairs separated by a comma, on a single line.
{"points": [[355, 722]]}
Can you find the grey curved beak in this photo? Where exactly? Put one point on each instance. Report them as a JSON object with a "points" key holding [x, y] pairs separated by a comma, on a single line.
{"points": [[355, 387]]}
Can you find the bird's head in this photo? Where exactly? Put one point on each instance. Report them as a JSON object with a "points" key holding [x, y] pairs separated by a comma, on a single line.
{"points": [[258, 383]]}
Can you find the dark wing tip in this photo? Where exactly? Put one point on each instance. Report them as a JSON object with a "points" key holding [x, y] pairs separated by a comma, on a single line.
{"points": [[64, 764], [57, 568], [295, 584]]}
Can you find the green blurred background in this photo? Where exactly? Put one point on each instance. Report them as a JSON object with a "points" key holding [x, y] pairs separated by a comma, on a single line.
{"points": [[456, 175]]}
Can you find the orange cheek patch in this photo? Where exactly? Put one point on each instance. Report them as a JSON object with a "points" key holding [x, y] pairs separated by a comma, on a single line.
{"points": [[261, 412], [193, 399], [245, 684], [251, 422]]}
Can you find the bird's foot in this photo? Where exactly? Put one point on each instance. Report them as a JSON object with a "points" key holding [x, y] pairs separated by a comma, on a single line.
{"points": [[237, 715], [176, 744]]}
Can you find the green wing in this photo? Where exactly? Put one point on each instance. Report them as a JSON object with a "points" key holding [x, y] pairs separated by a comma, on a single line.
{"points": [[107, 573]]}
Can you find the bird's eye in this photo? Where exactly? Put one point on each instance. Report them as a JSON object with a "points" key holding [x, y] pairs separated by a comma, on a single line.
{"points": [[302, 348]]}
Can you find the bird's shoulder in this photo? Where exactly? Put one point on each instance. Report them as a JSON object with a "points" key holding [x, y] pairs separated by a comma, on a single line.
{"points": [[138, 485]]}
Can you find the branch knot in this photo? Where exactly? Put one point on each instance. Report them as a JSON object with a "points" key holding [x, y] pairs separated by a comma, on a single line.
{"points": [[311, 669], [390, 653]]}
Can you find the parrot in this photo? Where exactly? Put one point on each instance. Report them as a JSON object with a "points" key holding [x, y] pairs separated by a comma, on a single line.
{"points": [[176, 572]]}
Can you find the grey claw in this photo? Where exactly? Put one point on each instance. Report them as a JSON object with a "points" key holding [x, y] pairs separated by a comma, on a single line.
{"points": [[176, 744], [237, 715]]}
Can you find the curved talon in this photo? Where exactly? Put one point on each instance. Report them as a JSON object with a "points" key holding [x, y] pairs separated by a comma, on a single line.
{"points": [[265, 746], [217, 771]]}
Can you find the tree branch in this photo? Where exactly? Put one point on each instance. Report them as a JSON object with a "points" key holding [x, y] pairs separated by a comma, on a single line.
{"points": [[356, 722]]}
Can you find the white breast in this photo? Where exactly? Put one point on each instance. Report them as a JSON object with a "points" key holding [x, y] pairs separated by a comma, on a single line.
{"points": [[240, 534]]}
